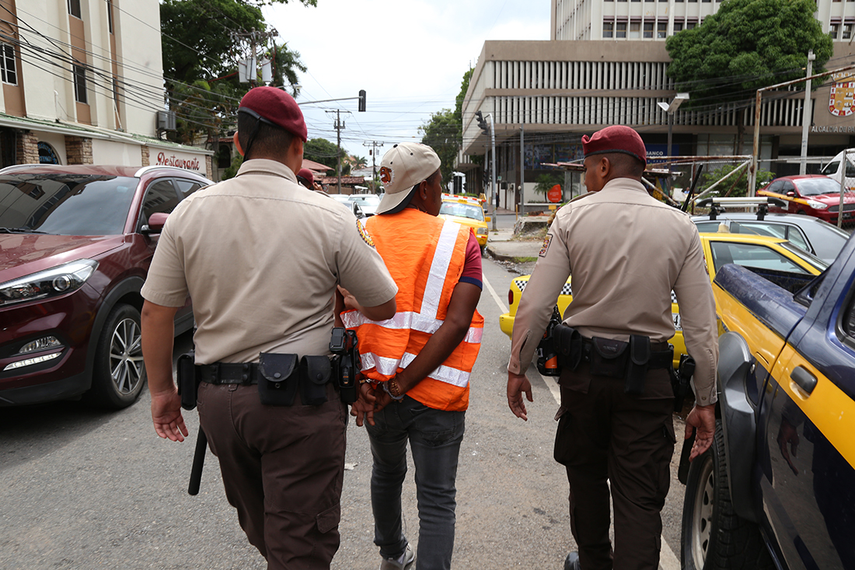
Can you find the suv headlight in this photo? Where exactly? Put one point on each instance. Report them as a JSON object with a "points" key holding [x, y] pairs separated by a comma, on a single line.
{"points": [[817, 205], [482, 231], [48, 283]]}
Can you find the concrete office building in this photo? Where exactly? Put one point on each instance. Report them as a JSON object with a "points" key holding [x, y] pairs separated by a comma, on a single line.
{"points": [[606, 64], [82, 83]]}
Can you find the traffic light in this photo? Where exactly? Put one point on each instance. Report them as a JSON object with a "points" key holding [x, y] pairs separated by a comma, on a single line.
{"points": [[361, 108], [482, 124]]}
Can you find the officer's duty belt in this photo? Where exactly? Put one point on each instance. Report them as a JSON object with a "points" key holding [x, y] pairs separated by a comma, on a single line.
{"points": [[661, 355], [244, 373]]}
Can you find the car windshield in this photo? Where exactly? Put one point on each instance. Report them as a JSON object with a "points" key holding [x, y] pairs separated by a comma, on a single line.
{"points": [[370, 200], [66, 204], [806, 255], [462, 211], [756, 255], [817, 186]]}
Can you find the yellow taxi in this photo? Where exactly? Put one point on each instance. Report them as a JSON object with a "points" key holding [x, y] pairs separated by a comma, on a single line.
{"points": [[759, 253], [469, 213]]}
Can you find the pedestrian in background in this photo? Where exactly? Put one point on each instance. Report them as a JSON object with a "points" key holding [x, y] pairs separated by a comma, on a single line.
{"points": [[417, 365], [261, 259], [627, 252]]}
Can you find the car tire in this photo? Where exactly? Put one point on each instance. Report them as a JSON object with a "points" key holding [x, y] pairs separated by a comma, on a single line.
{"points": [[118, 374], [713, 536], [483, 250]]}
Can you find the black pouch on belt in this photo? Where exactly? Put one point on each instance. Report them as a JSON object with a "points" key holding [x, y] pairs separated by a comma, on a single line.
{"points": [[316, 372], [609, 357], [568, 345], [639, 357], [280, 377], [188, 381]]}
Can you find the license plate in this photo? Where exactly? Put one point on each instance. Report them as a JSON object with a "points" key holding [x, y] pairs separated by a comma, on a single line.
{"points": [[678, 325]]}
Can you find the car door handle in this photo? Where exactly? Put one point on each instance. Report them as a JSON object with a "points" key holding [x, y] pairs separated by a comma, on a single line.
{"points": [[804, 379]]}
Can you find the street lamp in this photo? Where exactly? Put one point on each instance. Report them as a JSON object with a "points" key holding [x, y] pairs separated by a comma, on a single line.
{"points": [[671, 108]]}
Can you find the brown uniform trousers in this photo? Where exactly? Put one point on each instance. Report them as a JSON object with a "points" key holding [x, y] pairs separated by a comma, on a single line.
{"points": [[606, 437], [288, 508]]}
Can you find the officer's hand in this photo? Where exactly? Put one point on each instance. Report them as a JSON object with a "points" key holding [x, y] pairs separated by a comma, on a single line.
{"points": [[166, 415], [363, 408], [383, 400], [517, 384], [702, 419], [350, 301]]}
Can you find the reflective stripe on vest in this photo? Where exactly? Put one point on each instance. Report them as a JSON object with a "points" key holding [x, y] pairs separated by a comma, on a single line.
{"points": [[386, 347]]}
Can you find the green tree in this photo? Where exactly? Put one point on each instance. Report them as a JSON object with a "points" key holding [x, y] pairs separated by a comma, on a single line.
{"points": [[200, 58], [746, 45], [737, 185], [323, 151], [546, 181], [441, 135]]}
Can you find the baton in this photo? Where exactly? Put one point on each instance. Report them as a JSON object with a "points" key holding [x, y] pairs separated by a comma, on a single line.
{"points": [[198, 462]]}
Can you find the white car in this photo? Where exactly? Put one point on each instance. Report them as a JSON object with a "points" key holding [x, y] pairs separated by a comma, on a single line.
{"points": [[367, 202]]}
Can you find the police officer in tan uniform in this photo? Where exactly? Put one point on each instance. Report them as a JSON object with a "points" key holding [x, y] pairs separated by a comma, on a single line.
{"points": [[627, 252], [261, 258]]}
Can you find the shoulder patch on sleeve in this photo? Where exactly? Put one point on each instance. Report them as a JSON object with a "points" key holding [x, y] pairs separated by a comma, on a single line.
{"points": [[363, 233], [545, 247]]}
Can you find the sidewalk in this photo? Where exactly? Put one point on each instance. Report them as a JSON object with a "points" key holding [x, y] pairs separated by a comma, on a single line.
{"points": [[502, 246]]}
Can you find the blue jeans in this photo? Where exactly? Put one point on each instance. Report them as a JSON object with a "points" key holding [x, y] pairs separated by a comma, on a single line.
{"points": [[435, 438]]}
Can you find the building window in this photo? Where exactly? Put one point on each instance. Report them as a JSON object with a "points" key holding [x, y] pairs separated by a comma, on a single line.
{"points": [[7, 64], [834, 30], [74, 8], [608, 29], [678, 27], [110, 16], [634, 30], [621, 30], [691, 25], [847, 32], [661, 30], [648, 29], [80, 84]]}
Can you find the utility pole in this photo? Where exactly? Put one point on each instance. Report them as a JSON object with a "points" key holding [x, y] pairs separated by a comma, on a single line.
{"points": [[806, 116], [253, 35], [373, 151], [493, 170], [338, 126], [522, 157]]}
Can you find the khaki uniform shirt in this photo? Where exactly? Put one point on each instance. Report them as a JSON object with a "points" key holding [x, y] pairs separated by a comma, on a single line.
{"points": [[627, 252], [260, 256]]}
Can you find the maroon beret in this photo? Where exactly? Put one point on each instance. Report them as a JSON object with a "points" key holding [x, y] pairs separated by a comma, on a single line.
{"points": [[277, 107], [617, 138], [307, 174]]}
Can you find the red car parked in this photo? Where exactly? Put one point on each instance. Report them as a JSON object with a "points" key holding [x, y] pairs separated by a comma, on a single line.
{"points": [[76, 243], [813, 194]]}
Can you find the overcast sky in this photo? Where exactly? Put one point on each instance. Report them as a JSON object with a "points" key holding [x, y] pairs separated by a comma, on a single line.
{"points": [[408, 55]]}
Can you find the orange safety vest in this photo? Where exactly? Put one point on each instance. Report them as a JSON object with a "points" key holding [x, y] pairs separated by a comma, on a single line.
{"points": [[425, 256]]}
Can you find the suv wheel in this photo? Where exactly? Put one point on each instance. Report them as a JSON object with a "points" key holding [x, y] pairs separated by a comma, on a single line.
{"points": [[119, 373], [713, 536]]}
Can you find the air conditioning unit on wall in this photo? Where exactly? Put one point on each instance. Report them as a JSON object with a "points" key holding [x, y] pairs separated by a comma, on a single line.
{"points": [[166, 120]]}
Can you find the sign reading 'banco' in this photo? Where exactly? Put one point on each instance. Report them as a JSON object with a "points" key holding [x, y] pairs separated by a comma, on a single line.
{"points": [[173, 160]]}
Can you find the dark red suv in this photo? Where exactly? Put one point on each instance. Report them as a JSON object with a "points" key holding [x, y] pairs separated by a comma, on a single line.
{"points": [[75, 245]]}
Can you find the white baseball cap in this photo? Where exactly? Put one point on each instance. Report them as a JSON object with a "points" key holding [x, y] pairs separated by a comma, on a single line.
{"points": [[404, 166]]}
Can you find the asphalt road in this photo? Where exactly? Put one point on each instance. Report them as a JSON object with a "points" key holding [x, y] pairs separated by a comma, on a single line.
{"points": [[88, 489]]}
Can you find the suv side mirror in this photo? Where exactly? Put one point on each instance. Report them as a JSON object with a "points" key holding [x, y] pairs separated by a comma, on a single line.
{"points": [[357, 211], [155, 223]]}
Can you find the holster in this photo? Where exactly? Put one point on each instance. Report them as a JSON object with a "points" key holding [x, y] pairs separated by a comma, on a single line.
{"points": [[569, 346], [188, 380], [279, 378], [636, 370], [680, 380]]}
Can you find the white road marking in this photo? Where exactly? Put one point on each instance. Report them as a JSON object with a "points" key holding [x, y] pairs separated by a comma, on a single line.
{"points": [[492, 291], [667, 559]]}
